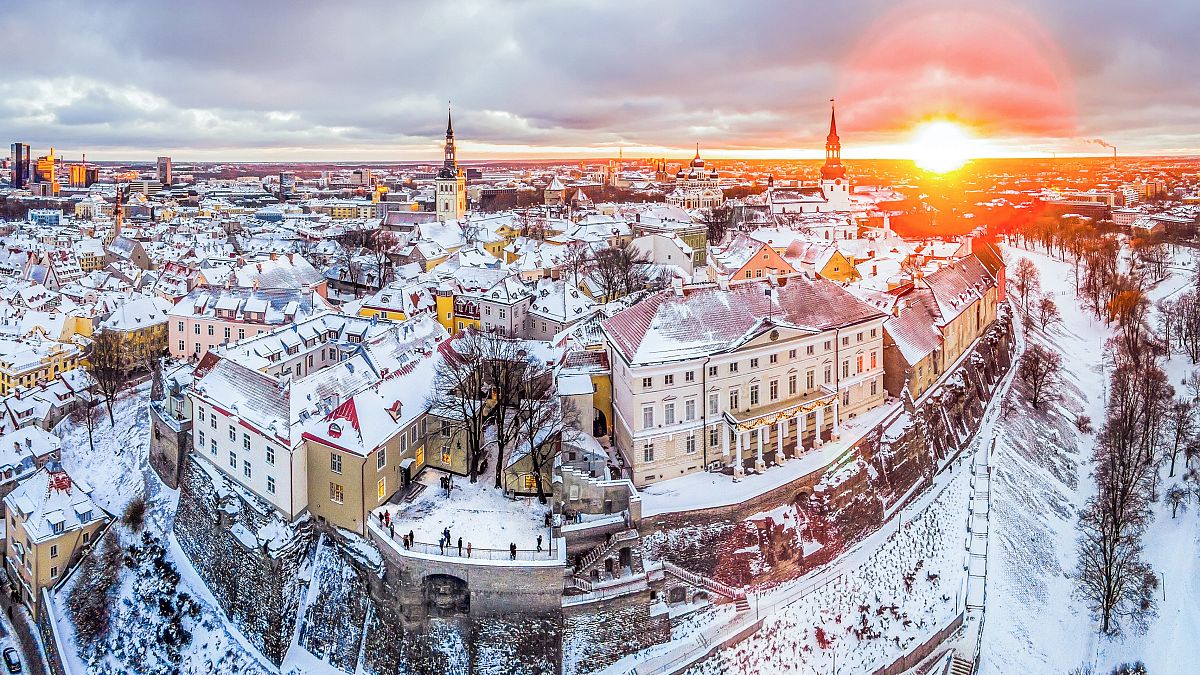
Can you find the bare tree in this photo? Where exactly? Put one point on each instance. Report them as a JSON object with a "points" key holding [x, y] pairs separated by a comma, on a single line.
{"points": [[620, 270], [1181, 428], [1026, 281], [1039, 370], [108, 367], [717, 221], [547, 421], [89, 417], [1113, 580], [1047, 312], [459, 395]]}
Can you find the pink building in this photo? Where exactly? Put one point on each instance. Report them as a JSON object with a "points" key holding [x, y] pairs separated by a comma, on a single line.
{"points": [[211, 316]]}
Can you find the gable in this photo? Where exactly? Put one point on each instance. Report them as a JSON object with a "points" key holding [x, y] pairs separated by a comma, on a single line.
{"points": [[766, 258]]}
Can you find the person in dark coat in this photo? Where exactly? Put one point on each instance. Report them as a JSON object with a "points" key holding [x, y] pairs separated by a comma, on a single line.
{"points": [[512, 551], [460, 547]]}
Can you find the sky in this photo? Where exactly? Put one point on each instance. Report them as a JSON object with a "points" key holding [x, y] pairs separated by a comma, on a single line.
{"points": [[301, 80]]}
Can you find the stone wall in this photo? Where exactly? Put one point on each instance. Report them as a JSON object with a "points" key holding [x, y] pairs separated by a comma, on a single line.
{"points": [[597, 634], [253, 576], [170, 441]]}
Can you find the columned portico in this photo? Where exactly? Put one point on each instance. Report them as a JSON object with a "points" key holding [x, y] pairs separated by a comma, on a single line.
{"points": [[777, 420]]}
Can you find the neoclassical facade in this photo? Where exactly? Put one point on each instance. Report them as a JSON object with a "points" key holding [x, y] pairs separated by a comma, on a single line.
{"points": [[735, 379]]}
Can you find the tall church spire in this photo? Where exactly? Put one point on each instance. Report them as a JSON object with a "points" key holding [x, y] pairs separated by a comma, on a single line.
{"points": [[449, 122], [449, 163], [833, 168]]}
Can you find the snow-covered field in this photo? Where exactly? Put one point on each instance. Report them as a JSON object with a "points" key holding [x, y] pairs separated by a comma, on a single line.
{"points": [[1041, 478]]}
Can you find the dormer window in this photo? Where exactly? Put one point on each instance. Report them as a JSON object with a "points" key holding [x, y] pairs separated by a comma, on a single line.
{"points": [[335, 429]]}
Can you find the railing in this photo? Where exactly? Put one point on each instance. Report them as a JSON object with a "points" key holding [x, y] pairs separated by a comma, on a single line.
{"points": [[599, 552], [698, 580], [475, 552]]}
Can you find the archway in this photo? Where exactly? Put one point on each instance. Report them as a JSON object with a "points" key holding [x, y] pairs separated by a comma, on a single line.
{"points": [[446, 595]]}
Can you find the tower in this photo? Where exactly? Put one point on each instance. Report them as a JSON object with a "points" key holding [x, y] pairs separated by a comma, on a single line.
{"points": [[165, 171], [20, 165], [834, 184], [451, 182]]}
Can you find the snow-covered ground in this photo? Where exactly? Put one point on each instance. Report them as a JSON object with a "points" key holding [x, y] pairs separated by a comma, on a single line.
{"points": [[119, 471], [477, 512], [902, 593], [1041, 478]]}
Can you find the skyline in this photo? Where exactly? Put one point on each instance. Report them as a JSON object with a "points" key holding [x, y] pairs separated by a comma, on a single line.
{"points": [[308, 82]]}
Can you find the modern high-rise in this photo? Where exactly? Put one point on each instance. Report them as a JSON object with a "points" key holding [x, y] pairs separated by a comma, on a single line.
{"points": [[20, 165], [164, 170]]}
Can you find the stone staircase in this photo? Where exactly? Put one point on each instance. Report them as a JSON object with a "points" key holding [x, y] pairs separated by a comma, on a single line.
{"points": [[606, 548], [735, 594], [961, 666]]}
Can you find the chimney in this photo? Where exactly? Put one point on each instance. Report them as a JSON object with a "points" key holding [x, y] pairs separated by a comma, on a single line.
{"points": [[677, 286], [274, 255]]}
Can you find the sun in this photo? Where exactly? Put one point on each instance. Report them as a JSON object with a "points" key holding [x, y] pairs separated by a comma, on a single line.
{"points": [[940, 146]]}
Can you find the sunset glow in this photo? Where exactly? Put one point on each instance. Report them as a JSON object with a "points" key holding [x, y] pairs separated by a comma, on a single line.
{"points": [[941, 145]]}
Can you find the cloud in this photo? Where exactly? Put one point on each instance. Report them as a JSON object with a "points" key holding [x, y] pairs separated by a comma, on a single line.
{"points": [[371, 79]]}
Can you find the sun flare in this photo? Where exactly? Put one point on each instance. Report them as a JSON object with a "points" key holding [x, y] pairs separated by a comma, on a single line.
{"points": [[940, 146]]}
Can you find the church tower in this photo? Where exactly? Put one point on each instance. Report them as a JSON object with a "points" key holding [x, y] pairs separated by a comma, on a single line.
{"points": [[834, 184], [451, 182]]}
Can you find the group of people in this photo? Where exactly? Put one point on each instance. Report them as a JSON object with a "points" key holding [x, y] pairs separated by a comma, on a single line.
{"points": [[445, 542]]}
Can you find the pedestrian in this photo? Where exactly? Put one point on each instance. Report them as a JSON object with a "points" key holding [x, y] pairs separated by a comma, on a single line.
{"points": [[442, 546], [381, 517], [539, 543], [468, 549], [460, 547], [512, 551], [391, 531], [446, 534], [389, 517], [411, 539]]}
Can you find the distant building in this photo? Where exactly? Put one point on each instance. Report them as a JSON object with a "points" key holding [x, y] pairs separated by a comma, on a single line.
{"points": [[164, 170], [20, 165], [82, 175], [697, 187], [451, 182]]}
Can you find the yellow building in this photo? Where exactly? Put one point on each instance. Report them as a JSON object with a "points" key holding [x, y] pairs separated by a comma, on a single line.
{"points": [[141, 324], [32, 361], [51, 521]]}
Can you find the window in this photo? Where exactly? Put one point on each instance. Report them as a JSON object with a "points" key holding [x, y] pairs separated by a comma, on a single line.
{"points": [[226, 332], [774, 390], [270, 454], [200, 438], [445, 429], [210, 329], [691, 444], [246, 468], [809, 350], [874, 386], [381, 488], [54, 572], [337, 493], [714, 403], [245, 441], [201, 413], [810, 381], [241, 333], [53, 550], [182, 346], [792, 353], [874, 364], [335, 462], [232, 459], [197, 329], [689, 376], [381, 459], [668, 380], [714, 436], [753, 363], [828, 373], [792, 385], [648, 452], [828, 345], [213, 444], [846, 368], [712, 371], [179, 326], [647, 417], [733, 399], [859, 363], [845, 340], [647, 382], [689, 409], [733, 367], [754, 394], [232, 433], [874, 332], [669, 413], [859, 337], [774, 358], [87, 537], [271, 484]]}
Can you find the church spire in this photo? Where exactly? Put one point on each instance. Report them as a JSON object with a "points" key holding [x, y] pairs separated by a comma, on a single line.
{"points": [[449, 163], [697, 149], [449, 122], [833, 168]]}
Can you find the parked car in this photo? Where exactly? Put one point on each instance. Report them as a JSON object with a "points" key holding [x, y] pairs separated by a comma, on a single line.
{"points": [[12, 660]]}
